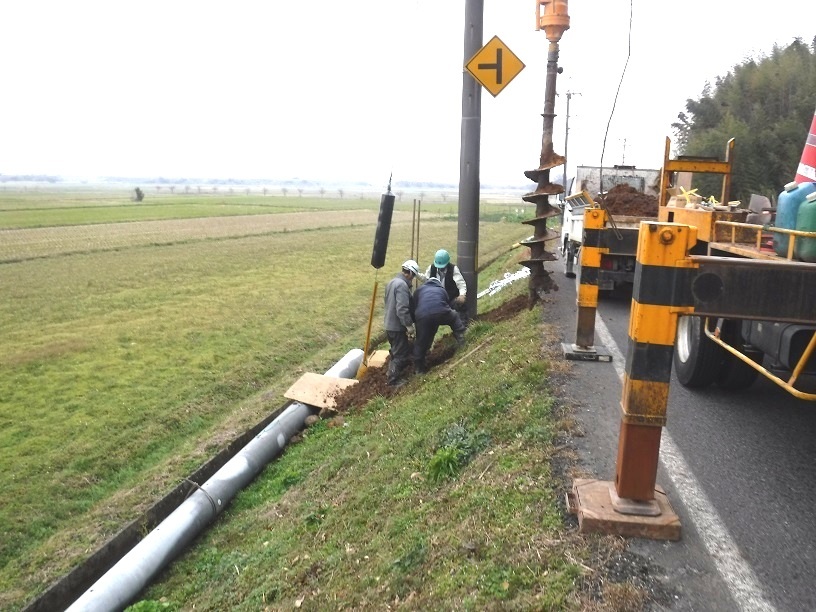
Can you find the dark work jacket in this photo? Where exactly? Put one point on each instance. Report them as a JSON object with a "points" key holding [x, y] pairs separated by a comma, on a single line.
{"points": [[430, 299], [450, 285]]}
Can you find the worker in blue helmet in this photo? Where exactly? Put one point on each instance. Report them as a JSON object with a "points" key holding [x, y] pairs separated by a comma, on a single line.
{"points": [[452, 280]]}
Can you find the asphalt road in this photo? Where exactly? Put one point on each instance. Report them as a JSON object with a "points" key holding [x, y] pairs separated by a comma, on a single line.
{"points": [[739, 469]]}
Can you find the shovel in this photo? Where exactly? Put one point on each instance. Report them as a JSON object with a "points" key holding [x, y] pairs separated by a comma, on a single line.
{"points": [[364, 363]]}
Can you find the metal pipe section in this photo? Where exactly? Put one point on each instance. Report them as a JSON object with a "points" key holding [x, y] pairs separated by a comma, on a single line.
{"points": [[125, 580]]}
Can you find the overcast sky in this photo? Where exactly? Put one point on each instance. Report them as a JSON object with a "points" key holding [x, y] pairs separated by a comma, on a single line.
{"points": [[351, 90]]}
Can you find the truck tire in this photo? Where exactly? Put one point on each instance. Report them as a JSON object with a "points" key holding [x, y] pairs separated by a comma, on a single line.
{"points": [[734, 373], [697, 360]]}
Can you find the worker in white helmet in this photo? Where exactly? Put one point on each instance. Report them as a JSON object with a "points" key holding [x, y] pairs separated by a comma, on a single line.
{"points": [[399, 321]]}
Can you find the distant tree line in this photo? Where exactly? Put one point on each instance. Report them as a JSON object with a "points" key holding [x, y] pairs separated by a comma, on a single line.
{"points": [[767, 106], [39, 178]]}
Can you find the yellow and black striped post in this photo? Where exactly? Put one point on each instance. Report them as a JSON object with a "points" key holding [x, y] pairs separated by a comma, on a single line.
{"points": [[661, 261], [584, 348], [594, 219]]}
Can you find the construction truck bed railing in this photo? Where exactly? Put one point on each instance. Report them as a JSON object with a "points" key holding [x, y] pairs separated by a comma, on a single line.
{"points": [[739, 230]]}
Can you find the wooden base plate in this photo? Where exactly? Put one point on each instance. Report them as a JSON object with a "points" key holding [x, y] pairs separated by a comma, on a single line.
{"points": [[592, 502]]}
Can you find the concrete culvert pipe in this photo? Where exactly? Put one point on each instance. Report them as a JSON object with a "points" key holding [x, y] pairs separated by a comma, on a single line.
{"points": [[125, 580]]}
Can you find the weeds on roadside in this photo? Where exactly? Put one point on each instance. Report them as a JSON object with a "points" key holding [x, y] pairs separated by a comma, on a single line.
{"points": [[456, 447]]}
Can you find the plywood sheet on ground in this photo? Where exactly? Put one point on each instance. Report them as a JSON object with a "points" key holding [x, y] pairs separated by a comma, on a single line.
{"points": [[317, 389], [377, 359]]}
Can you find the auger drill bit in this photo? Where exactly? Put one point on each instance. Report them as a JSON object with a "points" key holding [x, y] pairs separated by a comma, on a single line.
{"points": [[552, 17], [540, 281]]}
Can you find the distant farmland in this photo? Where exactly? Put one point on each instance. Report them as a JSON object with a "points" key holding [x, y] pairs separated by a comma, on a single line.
{"points": [[20, 244]]}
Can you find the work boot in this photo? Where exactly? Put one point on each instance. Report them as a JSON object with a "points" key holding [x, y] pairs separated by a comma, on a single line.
{"points": [[460, 340], [391, 374]]}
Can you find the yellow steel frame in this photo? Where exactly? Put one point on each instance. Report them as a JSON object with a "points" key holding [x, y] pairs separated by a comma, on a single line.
{"points": [[702, 165], [788, 385]]}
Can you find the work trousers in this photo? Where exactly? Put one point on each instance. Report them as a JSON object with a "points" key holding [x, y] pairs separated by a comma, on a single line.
{"points": [[400, 352], [426, 329]]}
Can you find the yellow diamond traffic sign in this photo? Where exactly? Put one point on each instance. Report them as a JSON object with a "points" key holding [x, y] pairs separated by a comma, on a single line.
{"points": [[494, 66]]}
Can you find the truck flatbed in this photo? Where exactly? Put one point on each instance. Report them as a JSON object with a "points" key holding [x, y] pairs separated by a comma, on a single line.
{"points": [[743, 250], [750, 240], [622, 222]]}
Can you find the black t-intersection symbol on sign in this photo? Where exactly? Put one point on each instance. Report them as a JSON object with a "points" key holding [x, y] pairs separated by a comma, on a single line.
{"points": [[497, 66]]}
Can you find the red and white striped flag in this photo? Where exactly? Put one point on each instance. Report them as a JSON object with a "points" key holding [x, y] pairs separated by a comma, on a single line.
{"points": [[806, 173]]}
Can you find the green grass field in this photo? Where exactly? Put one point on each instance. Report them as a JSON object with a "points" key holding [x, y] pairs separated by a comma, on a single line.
{"points": [[131, 357], [140, 340]]}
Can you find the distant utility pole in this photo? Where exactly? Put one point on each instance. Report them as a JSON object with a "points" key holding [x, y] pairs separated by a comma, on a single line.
{"points": [[566, 139]]}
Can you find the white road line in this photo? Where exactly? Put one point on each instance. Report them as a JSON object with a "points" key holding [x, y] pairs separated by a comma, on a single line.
{"points": [[736, 573]]}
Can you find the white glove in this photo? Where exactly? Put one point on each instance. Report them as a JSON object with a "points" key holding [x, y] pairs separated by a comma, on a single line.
{"points": [[410, 331]]}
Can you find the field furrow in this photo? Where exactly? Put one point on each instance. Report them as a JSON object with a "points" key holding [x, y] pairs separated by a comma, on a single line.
{"points": [[24, 244]]}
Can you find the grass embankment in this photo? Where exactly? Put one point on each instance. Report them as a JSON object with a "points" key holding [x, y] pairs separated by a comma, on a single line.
{"points": [[440, 497], [122, 370]]}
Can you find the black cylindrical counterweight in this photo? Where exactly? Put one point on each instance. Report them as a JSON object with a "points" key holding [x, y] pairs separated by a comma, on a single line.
{"points": [[383, 230]]}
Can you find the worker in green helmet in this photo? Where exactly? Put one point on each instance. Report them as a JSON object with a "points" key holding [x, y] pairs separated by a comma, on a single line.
{"points": [[452, 280]]}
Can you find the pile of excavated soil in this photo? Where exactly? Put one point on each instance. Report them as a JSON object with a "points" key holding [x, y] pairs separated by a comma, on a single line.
{"points": [[507, 310], [627, 201]]}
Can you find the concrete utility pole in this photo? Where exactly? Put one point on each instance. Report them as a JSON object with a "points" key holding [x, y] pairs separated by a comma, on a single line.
{"points": [[468, 235]]}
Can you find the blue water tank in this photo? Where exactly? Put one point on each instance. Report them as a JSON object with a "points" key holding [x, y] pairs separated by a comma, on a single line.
{"points": [[787, 209]]}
